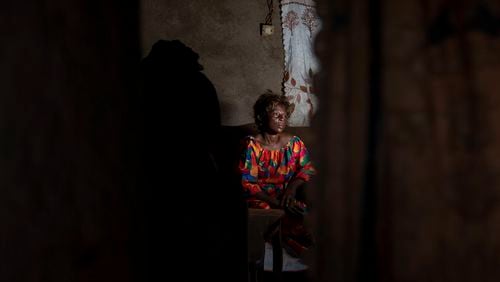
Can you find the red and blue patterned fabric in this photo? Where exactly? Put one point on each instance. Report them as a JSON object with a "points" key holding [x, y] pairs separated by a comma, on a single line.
{"points": [[270, 170]]}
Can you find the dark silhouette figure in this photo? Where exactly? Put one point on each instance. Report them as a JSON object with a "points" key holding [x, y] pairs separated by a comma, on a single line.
{"points": [[189, 225], [177, 91]]}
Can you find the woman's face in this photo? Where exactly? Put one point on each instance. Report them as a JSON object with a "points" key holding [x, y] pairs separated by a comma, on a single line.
{"points": [[277, 119]]}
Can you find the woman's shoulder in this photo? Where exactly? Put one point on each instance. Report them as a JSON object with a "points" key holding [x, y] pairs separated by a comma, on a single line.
{"points": [[296, 143], [293, 138], [249, 141], [255, 136]]}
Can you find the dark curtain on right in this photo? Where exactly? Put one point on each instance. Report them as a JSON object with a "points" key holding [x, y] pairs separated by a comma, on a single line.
{"points": [[408, 188]]}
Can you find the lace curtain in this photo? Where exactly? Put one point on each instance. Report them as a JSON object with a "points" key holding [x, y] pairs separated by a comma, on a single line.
{"points": [[300, 24]]}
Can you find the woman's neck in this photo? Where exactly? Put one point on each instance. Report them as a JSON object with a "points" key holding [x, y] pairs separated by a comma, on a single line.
{"points": [[271, 139]]}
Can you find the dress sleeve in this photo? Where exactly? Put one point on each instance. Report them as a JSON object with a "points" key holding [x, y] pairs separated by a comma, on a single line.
{"points": [[249, 169], [305, 168]]}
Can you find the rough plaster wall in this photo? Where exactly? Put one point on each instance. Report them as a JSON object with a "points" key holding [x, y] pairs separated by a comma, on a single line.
{"points": [[225, 33]]}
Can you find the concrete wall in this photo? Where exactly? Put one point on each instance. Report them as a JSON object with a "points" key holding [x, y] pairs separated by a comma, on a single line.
{"points": [[225, 33]]}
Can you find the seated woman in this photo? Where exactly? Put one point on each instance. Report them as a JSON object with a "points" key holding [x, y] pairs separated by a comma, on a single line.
{"points": [[274, 166]]}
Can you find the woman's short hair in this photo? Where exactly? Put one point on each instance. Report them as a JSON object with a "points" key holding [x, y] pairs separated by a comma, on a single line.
{"points": [[265, 104]]}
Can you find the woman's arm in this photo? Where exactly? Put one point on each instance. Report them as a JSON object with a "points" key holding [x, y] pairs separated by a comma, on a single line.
{"points": [[305, 168], [249, 170], [249, 177], [304, 171]]}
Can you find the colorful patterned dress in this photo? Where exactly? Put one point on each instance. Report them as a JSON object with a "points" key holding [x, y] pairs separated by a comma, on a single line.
{"points": [[271, 170]]}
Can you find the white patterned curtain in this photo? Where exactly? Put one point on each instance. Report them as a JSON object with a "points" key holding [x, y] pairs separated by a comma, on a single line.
{"points": [[300, 24]]}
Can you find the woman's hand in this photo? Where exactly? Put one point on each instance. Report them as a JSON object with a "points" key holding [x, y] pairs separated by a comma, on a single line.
{"points": [[288, 197], [289, 194], [288, 201], [290, 204], [273, 202]]}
